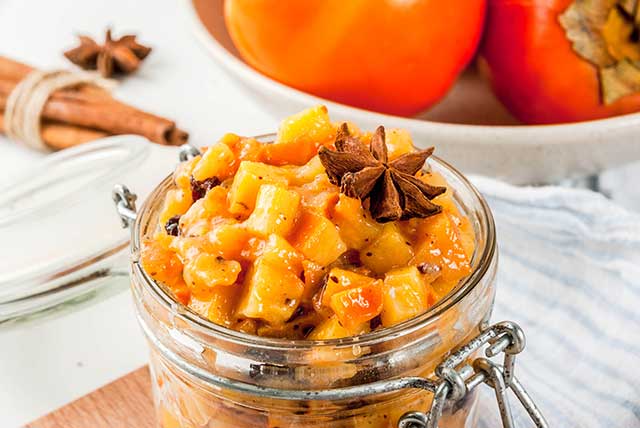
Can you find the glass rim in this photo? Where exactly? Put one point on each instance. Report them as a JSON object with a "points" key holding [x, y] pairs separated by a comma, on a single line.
{"points": [[193, 319]]}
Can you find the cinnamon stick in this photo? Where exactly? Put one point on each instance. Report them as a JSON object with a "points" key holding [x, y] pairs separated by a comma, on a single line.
{"points": [[93, 109], [13, 70], [77, 108], [60, 136]]}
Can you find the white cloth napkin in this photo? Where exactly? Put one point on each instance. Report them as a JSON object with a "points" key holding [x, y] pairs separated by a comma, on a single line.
{"points": [[569, 275]]}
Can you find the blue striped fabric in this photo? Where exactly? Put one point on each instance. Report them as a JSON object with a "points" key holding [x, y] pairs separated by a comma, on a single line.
{"points": [[570, 276]]}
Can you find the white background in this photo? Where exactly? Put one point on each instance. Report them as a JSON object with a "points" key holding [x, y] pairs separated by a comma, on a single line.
{"points": [[44, 366]]}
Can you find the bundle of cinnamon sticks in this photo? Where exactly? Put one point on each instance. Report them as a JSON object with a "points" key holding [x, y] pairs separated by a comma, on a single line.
{"points": [[74, 116]]}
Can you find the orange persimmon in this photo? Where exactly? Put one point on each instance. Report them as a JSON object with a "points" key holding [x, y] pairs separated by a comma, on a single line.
{"points": [[535, 70], [396, 57]]}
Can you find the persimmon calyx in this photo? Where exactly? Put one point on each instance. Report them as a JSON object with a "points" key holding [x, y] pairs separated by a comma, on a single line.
{"points": [[607, 34]]}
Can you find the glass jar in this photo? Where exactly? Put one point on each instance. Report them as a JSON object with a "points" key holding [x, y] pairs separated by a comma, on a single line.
{"points": [[205, 375], [61, 245]]}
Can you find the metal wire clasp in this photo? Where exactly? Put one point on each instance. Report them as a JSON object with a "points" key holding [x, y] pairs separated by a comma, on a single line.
{"points": [[125, 200], [455, 377]]}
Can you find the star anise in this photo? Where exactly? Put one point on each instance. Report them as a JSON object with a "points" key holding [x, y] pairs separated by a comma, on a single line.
{"points": [[123, 55], [393, 190]]}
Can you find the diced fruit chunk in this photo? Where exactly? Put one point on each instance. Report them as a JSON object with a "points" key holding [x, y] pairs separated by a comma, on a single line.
{"points": [[275, 211], [358, 305], [398, 142], [177, 202], [319, 196], [182, 174], [279, 253], [217, 161], [188, 247], [448, 204], [300, 136], [228, 240], [244, 149], [332, 329], [223, 302], [317, 238], [467, 236], [391, 249], [215, 202], [313, 273], [309, 171], [219, 305], [195, 221], [406, 294], [357, 228], [161, 263], [207, 271], [441, 246], [270, 293], [246, 184], [341, 280]]}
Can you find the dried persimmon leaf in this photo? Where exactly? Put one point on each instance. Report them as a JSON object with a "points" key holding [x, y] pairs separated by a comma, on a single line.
{"points": [[619, 80], [583, 22], [618, 35], [629, 6], [606, 33]]}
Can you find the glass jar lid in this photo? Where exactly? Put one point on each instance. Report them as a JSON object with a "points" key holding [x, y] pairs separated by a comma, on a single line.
{"points": [[62, 243]]}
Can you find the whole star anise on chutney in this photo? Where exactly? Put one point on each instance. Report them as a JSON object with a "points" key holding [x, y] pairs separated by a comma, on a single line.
{"points": [[393, 190], [121, 55]]}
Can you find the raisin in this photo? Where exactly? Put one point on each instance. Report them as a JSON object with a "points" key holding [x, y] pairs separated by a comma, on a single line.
{"points": [[172, 227], [306, 330], [200, 188], [300, 311], [375, 322], [352, 258]]}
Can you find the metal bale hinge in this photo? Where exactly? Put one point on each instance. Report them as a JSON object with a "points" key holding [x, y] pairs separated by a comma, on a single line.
{"points": [[125, 200], [455, 378], [187, 151]]}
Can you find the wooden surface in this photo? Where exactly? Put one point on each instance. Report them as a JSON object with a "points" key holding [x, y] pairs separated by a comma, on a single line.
{"points": [[124, 403]]}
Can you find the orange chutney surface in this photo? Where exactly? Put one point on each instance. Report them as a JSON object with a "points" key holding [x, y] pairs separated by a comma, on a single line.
{"points": [[254, 237]]}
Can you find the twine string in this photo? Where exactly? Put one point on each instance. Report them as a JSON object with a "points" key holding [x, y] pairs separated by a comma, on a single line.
{"points": [[23, 112]]}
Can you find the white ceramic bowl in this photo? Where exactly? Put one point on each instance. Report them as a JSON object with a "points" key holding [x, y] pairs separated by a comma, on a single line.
{"points": [[462, 127]]}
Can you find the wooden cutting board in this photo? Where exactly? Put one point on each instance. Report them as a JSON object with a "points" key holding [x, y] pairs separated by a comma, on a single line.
{"points": [[124, 403]]}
